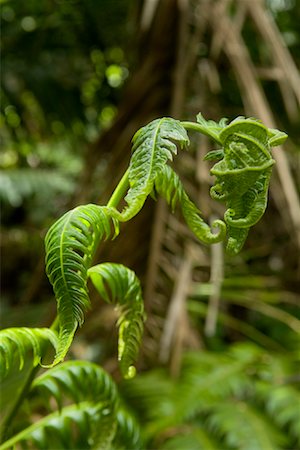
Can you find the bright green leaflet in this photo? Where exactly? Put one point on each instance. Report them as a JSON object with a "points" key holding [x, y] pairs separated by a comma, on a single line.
{"points": [[169, 186], [70, 246], [153, 146], [119, 285]]}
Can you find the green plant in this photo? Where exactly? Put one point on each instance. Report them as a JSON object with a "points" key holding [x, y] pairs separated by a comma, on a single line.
{"points": [[98, 420], [240, 398]]}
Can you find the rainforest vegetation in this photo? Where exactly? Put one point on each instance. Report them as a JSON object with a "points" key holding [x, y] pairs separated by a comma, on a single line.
{"points": [[150, 222]]}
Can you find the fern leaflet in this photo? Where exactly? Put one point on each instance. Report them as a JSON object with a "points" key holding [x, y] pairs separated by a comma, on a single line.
{"points": [[119, 285], [70, 246], [20, 341], [83, 381], [153, 146], [169, 186]]}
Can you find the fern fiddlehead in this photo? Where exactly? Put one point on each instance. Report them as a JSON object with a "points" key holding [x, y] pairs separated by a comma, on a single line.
{"points": [[242, 172], [242, 177]]}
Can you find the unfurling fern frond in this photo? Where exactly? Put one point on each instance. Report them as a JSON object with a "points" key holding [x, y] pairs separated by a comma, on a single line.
{"points": [[120, 286], [70, 246], [169, 186], [153, 145], [20, 341], [243, 174]]}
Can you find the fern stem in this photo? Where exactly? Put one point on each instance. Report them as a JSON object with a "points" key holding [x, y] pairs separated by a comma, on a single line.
{"points": [[201, 129], [120, 191]]}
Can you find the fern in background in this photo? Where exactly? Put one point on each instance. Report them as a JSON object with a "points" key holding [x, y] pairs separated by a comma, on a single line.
{"points": [[236, 399]]}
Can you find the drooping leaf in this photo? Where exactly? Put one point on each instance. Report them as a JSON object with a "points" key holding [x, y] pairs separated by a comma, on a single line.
{"points": [[70, 246], [153, 145], [169, 186], [120, 286], [18, 342]]}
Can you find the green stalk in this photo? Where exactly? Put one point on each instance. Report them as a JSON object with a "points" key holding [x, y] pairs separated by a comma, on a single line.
{"points": [[200, 129], [120, 191]]}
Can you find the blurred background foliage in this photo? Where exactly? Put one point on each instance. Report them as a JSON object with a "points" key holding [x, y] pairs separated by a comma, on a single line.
{"points": [[78, 79]]}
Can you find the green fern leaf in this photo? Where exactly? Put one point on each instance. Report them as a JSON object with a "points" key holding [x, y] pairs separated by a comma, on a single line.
{"points": [[82, 381], [70, 246], [19, 341], [192, 438], [153, 146], [119, 285], [78, 380], [78, 427], [169, 186], [95, 422], [128, 434], [245, 427], [72, 427], [282, 403]]}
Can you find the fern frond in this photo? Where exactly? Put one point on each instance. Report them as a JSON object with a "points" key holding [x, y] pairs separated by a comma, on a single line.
{"points": [[169, 186], [95, 422], [82, 381], [78, 381], [120, 286], [72, 427], [19, 341], [17, 184], [70, 246], [128, 433], [244, 427], [282, 404], [191, 438], [153, 145], [226, 396]]}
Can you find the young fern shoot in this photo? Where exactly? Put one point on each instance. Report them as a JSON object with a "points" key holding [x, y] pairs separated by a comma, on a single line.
{"points": [[242, 171], [242, 178]]}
